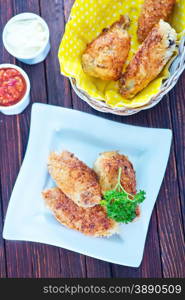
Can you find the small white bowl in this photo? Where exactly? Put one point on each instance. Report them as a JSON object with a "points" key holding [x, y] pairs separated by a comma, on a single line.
{"points": [[23, 103], [42, 53]]}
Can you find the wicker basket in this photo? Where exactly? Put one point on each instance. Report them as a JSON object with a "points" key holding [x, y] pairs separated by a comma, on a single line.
{"points": [[176, 69]]}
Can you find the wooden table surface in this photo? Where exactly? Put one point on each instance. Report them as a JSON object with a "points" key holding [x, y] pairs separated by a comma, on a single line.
{"points": [[164, 252]]}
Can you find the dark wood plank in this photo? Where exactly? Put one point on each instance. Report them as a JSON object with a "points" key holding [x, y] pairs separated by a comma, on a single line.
{"points": [[9, 160], [97, 268], [168, 205], [5, 13], [94, 267], [45, 261], [10, 163], [57, 86], [170, 226], [2, 247], [67, 8], [177, 102], [71, 263]]}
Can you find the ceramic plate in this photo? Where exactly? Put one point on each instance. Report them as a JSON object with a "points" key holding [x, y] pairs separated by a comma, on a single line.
{"points": [[56, 128]]}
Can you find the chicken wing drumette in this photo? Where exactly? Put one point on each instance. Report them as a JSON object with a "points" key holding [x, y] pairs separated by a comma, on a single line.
{"points": [[149, 60], [107, 166], [151, 13], [74, 178], [91, 221], [105, 56]]}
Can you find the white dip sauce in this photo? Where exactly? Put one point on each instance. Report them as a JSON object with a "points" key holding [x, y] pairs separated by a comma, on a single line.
{"points": [[26, 37]]}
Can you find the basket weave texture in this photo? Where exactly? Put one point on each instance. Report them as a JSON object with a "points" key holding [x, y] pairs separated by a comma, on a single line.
{"points": [[176, 69]]}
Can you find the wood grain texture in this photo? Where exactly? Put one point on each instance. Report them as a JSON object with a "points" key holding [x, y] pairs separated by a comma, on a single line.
{"points": [[168, 205], [3, 273], [6, 11], [177, 103], [57, 86], [15, 135], [164, 250], [10, 162]]}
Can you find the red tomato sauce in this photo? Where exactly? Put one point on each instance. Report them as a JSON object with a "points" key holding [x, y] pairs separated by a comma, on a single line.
{"points": [[12, 86]]}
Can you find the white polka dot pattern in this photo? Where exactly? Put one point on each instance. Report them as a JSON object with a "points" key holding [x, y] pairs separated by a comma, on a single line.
{"points": [[88, 18]]}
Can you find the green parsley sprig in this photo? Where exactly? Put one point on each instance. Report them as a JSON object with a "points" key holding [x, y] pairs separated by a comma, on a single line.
{"points": [[120, 205]]}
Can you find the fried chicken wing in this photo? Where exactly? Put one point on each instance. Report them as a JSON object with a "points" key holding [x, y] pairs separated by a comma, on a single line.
{"points": [[91, 221], [75, 179], [151, 13], [149, 60], [107, 166], [105, 56]]}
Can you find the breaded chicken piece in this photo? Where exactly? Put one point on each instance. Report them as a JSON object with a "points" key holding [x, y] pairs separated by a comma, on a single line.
{"points": [[75, 179], [149, 60], [107, 166], [90, 221], [105, 56], [152, 12]]}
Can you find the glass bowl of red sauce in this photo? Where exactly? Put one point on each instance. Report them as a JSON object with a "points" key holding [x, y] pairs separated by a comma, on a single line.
{"points": [[14, 89]]}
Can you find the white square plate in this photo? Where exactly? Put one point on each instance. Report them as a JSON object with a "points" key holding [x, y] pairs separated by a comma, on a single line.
{"points": [[56, 128]]}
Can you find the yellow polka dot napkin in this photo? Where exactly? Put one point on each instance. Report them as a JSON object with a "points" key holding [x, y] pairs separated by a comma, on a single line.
{"points": [[87, 20]]}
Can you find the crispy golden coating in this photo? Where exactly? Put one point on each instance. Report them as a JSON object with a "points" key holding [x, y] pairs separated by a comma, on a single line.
{"points": [[104, 57], [75, 178], [107, 166], [90, 221], [152, 12], [149, 60]]}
